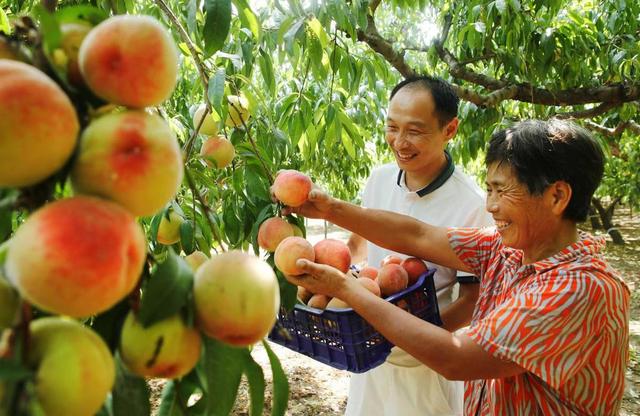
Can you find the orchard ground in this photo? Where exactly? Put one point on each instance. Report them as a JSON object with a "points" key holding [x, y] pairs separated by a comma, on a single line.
{"points": [[320, 390]]}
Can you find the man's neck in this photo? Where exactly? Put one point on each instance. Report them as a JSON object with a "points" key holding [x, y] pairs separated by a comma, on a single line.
{"points": [[416, 180]]}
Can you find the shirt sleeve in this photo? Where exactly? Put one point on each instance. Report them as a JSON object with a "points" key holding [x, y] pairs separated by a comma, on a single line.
{"points": [[474, 246], [550, 328]]}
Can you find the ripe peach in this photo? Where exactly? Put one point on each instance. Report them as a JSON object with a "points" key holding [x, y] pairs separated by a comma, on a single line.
{"points": [[238, 110], [414, 267], [390, 259], [369, 272], [166, 349], [169, 229], [334, 253], [289, 251], [38, 125], [272, 232], [196, 259], [237, 298], [74, 367], [371, 286], [318, 301], [77, 256], [72, 36], [218, 152], [132, 158], [336, 303], [392, 278], [303, 294], [292, 187], [210, 124], [130, 60]]}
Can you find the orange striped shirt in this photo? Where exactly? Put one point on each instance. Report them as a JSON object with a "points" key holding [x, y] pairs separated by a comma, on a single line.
{"points": [[564, 319]]}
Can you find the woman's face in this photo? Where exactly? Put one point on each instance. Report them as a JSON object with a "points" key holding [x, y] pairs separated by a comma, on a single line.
{"points": [[524, 221]]}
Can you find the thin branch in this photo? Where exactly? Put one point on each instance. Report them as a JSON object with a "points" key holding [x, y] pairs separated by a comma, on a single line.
{"points": [[205, 207], [590, 113]]}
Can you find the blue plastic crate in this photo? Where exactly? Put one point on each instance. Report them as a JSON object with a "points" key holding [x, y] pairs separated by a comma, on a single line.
{"points": [[341, 338]]}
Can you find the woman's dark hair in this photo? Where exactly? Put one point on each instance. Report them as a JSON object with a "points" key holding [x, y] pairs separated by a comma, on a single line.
{"points": [[444, 97], [543, 152]]}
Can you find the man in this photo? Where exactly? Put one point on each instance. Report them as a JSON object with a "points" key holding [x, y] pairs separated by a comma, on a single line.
{"points": [[550, 331], [424, 184]]}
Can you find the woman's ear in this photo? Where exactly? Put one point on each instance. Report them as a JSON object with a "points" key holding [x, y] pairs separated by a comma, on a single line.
{"points": [[559, 194]]}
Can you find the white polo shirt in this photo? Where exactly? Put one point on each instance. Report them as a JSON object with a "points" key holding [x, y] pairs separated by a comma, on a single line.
{"points": [[402, 385]]}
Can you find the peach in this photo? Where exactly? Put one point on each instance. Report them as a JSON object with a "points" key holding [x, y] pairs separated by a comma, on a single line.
{"points": [[390, 259], [272, 232], [392, 278], [289, 251], [72, 36], [336, 303], [130, 60], [238, 111], [414, 267], [371, 286], [38, 125], [304, 294], [334, 253], [292, 187], [196, 259], [237, 298], [74, 367], [318, 301], [297, 231], [169, 228], [77, 256], [166, 349], [210, 124], [368, 272], [132, 158], [218, 152]]}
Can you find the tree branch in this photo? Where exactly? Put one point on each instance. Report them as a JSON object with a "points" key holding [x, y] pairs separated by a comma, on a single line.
{"points": [[590, 113]]}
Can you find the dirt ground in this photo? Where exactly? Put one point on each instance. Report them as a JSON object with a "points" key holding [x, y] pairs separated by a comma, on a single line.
{"points": [[319, 390]]}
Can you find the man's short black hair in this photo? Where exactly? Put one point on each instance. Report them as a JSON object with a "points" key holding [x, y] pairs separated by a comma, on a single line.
{"points": [[543, 152], [444, 96]]}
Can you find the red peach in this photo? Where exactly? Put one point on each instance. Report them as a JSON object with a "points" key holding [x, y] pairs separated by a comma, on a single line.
{"points": [[272, 232], [334, 253], [390, 259], [77, 256], [368, 272], [336, 303], [292, 187], [414, 267], [289, 251], [392, 278]]}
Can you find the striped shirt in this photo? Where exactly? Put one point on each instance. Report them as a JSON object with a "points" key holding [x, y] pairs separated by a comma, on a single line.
{"points": [[564, 319]]}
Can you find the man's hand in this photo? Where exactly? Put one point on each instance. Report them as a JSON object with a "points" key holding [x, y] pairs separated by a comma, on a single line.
{"points": [[322, 279]]}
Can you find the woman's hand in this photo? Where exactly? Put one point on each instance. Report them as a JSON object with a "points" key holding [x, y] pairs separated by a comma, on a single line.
{"points": [[323, 279]]}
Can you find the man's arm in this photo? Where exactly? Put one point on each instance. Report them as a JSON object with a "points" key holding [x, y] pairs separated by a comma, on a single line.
{"points": [[396, 232], [458, 314], [358, 248], [456, 357]]}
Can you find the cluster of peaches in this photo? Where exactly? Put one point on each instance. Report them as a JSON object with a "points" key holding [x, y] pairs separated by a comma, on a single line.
{"points": [[285, 239], [79, 256]]}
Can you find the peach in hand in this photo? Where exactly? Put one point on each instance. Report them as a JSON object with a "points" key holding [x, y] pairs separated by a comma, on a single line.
{"points": [[289, 251], [414, 267], [292, 187], [334, 253], [392, 278]]}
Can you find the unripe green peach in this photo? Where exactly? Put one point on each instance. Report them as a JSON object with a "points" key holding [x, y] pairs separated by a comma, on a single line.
{"points": [[38, 125], [237, 298], [77, 256], [217, 152], [130, 60], [169, 229], [9, 304], [238, 111], [132, 158], [210, 125], [166, 349], [196, 259], [74, 368]]}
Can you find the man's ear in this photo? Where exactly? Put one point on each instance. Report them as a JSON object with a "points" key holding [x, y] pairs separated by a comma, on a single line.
{"points": [[451, 128], [559, 194]]}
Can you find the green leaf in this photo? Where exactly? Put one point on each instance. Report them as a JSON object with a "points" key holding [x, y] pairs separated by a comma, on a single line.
{"points": [[216, 25], [5, 27], [108, 324], [13, 371], [5, 224], [266, 69], [89, 14], [288, 291], [187, 237], [247, 17], [223, 366], [215, 89], [167, 290], [316, 27], [170, 404], [49, 27], [255, 378], [280, 383], [130, 394]]}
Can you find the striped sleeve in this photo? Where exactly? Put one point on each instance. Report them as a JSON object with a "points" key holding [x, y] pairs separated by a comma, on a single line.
{"points": [[551, 328], [474, 246]]}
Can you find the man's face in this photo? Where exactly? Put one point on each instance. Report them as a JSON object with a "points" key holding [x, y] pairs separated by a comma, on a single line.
{"points": [[524, 221], [413, 131]]}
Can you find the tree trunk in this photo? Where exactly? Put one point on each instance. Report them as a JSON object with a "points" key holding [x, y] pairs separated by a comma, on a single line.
{"points": [[596, 224], [606, 216]]}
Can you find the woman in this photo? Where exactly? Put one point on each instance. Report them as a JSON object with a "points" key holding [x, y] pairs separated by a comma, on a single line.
{"points": [[549, 334]]}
